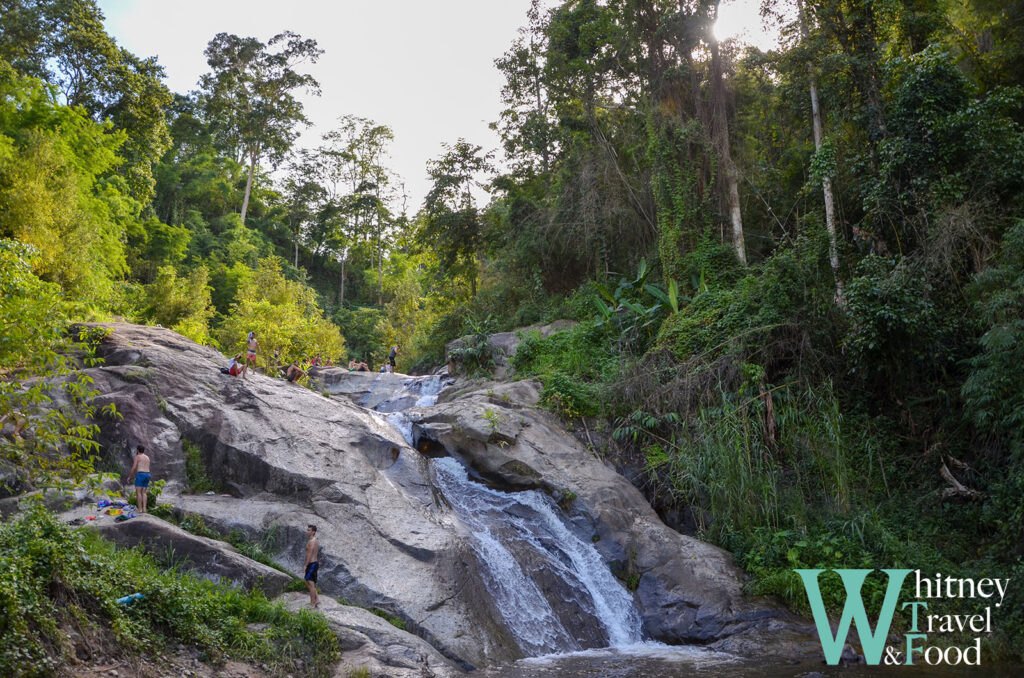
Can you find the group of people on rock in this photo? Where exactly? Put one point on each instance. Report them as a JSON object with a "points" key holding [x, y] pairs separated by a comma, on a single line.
{"points": [[238, 368]]}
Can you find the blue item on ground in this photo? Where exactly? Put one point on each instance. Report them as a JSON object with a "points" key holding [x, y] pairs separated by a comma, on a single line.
{"points": [[130, 598]]}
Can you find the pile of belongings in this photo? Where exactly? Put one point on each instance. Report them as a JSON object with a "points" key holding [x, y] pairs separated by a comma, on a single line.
{"points": [[118, 509]]}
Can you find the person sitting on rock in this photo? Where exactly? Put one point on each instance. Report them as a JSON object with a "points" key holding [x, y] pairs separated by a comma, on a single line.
{"points": [[234, 366], [294, 372], [353, 366]]}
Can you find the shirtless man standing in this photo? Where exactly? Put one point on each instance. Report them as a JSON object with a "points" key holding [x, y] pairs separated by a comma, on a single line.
{"points": [[252, 348], [140, 467], [312, 553]]}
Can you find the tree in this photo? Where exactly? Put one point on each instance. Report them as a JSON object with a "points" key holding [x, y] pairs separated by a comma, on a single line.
{"points": [[249, 96], [352, 167], [283, 313], [38, 440], [64, 43], [826, 177], [452, 224], [52, 158], [718, 123], [304, 197]]}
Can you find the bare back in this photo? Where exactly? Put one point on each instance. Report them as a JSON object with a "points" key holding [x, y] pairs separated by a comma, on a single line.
{"points": [[142, 463]]}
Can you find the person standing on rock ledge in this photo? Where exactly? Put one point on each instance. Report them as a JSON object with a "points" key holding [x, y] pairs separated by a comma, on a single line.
{"points": [[140, 467], [312, 553], [251, 350], [391, 357]]}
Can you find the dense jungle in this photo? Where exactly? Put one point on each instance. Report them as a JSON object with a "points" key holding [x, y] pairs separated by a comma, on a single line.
{"points": [[796, 276]]}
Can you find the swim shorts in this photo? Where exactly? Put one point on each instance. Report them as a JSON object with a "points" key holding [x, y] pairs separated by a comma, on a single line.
{"points": [[141, 479], [250, 356], [311, 571]]}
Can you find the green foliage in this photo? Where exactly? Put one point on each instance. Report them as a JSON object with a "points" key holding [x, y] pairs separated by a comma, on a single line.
{"points": [[763, 313], [362, 329], [54, 574], [389, 618], [285, 316], [46, 442], [627, 310], [198, 480], [182, 304], [52, 164], [896, 333], [475, 356], [992, 393]]}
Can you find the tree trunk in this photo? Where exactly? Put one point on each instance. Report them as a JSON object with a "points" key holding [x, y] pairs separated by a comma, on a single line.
{"points": [[341, 286], [826, 181], [248, 186], [380, 274], [720, 127], [296, 249]]}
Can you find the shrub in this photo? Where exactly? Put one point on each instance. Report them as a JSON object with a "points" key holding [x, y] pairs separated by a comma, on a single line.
{"points": [[52, 574]]}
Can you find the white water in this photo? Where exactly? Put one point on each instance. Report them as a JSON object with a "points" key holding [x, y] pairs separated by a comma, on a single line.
{"points": [[425, 389], [503, 524], [495, 520]]}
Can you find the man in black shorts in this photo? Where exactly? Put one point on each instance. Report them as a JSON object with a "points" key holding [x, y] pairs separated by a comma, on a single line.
{"points": [[312, 566], [294, 373], [391, 357]]}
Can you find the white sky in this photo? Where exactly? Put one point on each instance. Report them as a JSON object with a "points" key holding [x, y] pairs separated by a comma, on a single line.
{"points": [[423, 67]]}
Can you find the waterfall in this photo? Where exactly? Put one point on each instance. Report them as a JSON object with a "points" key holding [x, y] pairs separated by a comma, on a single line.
{"points": [[496, 520], [529, 553]]}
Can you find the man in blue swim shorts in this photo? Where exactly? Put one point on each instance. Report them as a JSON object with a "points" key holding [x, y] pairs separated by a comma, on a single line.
{"points": [[312, 566], [140, 467]]}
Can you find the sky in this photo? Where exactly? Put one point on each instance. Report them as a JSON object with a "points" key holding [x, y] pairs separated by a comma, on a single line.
{"points": [[425, 68]]}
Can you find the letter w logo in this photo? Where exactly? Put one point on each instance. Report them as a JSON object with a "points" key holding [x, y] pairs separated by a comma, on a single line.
{"points": [[853, 611]]}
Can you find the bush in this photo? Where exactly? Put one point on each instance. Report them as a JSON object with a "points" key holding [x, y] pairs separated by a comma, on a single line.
{"points": [[52, 574]]}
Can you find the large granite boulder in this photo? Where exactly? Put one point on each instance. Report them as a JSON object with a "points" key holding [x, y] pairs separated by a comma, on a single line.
{"points": [[291, 456], [207, 558], [372, 643]]}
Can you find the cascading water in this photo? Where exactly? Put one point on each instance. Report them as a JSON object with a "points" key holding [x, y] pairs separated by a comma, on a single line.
{"points": [[531, 519], [531, 556]]}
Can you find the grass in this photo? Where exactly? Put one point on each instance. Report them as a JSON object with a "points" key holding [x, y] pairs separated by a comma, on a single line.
{"points": [[53, 576], [199, 481], [254, 550]]}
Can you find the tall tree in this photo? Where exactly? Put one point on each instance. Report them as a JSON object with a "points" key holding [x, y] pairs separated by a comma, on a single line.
{"points": [[249, 96], [826, 177], [718, 122], [452, 224], [351, 161]]}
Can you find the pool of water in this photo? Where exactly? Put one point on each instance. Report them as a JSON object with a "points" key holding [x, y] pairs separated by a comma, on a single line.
{"points": [[653, 660]]}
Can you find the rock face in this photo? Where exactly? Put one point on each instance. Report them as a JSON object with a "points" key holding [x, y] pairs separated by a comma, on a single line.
{"points": [[292, 457], [389, 537], [209, 558], [368, 641]]}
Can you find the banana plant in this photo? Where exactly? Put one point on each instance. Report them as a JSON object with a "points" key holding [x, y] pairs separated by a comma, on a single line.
{"points": [[636, 308]]}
